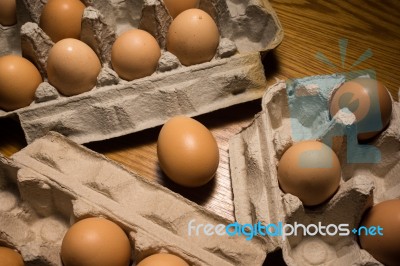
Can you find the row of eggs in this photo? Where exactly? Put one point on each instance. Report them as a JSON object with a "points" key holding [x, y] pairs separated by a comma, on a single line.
{"points": [[311, 170], [73, 67], [96, 241]]}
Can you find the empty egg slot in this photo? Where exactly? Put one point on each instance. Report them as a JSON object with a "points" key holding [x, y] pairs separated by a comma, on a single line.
{"points": [[120, 15]]}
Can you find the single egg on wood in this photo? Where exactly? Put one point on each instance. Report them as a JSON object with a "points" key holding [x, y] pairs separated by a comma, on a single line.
{"points": [[8, 12], [187, 152], [10, 257], [369, 101], [383, 243], [135, 54], [19, 79], [95, 242], [175, 7], [163, 259], [61, 19], [193, 37], [311, 171], [72, 67]]}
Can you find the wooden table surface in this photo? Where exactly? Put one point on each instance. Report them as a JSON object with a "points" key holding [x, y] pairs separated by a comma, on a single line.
{"points": [[310, 27]]}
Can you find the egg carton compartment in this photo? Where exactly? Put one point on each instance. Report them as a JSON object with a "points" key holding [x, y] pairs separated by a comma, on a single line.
{"points": [[117, 107], [54, 182], [34, 236], [288, 117]]}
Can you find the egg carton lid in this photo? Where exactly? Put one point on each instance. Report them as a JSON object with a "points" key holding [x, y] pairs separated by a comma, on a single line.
{"points": [[53, 182], [116, 107], [255, 153]]}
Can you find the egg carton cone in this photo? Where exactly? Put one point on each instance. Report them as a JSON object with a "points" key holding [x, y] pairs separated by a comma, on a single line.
{"points": [[116, 107], [54, 182], [298, 110]]}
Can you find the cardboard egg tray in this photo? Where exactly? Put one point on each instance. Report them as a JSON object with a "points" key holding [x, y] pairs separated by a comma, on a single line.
{"points": [[53, 182], [295, 111], [117, 107]]}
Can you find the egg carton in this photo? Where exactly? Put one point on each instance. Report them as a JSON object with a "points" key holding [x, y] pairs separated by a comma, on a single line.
{"points": [[53, 182], [117, 107], [298, 110]]}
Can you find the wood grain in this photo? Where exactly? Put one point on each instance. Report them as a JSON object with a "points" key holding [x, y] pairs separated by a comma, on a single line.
{"points": [[310, 27], [317, 26]]}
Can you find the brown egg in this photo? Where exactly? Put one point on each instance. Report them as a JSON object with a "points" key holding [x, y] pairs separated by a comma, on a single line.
{"points": [[19, 79], [193, 37], [187, 152], [10, 257], [61, 19], [72, 67], [135, 54], [163, 259], [385, 248], [311, 171], [95, 242], [8, 13], [370, 102], [175, 7]]}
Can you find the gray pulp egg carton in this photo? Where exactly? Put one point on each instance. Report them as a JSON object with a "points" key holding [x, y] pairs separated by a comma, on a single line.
{"points": [[116, 107], [53, 182], [299, 110]]}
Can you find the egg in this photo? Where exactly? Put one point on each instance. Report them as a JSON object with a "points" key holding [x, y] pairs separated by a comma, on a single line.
{"points": [[187, 152], [175, 7], [19, 79], [193, 37], [10, 257], [135, 54], [8, 12], [72, 67], [61, 19], [95, 242], [369, 101], [311, 171], [163, 259], [385, 248]]}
